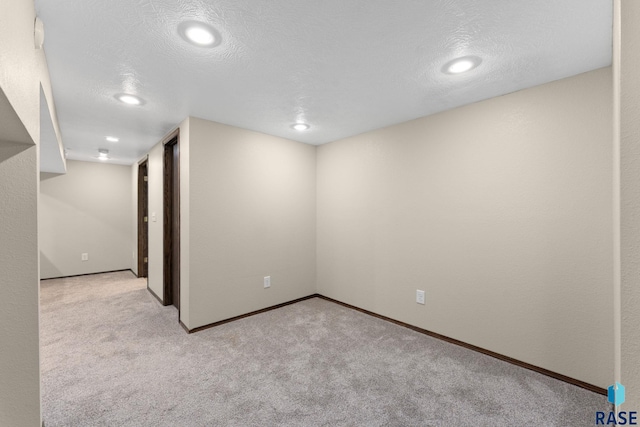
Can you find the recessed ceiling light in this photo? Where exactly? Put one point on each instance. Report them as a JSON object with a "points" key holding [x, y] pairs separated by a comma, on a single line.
{"points": [[103, 154], [129, 99], [112, 138], [461, 65], [199, 34], [300, 126]]}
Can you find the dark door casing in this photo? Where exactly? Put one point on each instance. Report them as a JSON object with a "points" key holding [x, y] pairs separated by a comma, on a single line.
{"points": [[143, 220], [172, 223]]}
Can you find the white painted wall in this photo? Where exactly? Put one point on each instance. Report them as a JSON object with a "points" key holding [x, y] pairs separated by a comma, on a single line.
{"points": [[500, 211], [251, 209], [627, 127], [87, 210]]}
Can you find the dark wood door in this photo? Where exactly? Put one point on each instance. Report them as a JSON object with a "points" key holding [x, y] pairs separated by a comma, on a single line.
{"points": [[175, 227], [172, 223], [143, 220]]}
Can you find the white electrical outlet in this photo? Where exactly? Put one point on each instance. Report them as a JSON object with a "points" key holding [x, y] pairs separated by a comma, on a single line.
{"points": [[419, 296], [85, 257], [267, 281]]}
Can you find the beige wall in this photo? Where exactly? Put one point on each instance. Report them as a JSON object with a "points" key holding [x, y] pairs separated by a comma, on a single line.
{"points": [[22, 71], [22, 66], [155, 266], [155, 164], [134, 218], [500, 211], [627, 127], [250, 199], [252, 211], [185, 221], [19, 317], [86, 210]]}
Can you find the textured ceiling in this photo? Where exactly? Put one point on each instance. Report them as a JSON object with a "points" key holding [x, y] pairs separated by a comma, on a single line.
{"points": [[344, 67]]}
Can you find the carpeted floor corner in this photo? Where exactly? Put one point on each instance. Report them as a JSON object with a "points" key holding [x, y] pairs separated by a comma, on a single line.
{"points": [[113, 356]]}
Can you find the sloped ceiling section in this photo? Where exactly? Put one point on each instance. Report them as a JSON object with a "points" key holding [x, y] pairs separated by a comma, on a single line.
{"points": [[343, 67]]}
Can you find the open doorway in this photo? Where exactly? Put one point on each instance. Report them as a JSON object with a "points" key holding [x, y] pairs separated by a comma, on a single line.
{"points": [[172, 222], [143, 219]]}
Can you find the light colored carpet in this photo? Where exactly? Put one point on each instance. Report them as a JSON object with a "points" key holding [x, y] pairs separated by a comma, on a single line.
{"points": [[113, 356]]}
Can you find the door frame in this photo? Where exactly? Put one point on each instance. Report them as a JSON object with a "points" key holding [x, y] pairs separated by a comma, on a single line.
{"points": [[143, 218], [171, 219]]}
